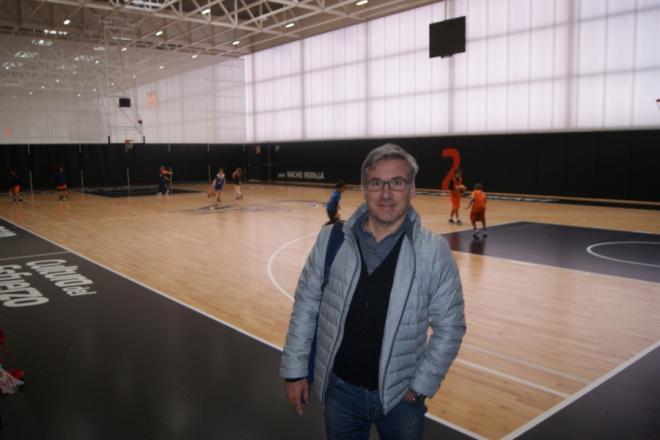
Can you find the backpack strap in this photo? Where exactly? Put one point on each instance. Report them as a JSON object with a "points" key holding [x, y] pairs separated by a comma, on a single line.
{"points": [[334, 243]]}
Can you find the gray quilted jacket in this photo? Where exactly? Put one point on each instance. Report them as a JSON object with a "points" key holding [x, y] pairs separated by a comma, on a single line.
{"points": [[426, 292]]}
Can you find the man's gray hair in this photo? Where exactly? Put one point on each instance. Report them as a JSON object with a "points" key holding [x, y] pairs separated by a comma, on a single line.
{"points": [[389, 151]]}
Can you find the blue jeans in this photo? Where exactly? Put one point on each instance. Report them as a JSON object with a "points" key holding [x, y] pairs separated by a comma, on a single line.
{"points": [[350, 410]]}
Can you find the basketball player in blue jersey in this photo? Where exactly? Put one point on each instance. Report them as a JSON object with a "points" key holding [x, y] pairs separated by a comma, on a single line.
{"points": [[217, 185]]}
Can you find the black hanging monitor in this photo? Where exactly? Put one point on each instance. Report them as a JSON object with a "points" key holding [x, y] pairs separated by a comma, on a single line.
{"points": [[124, 102], [447, 37]]}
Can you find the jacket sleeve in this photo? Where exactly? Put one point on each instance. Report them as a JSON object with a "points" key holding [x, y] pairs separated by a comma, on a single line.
{"points": [[447, 321], [302, 324]]}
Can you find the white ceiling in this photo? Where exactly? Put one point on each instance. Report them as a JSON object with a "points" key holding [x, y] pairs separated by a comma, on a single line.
{"points": [[129, 40]]}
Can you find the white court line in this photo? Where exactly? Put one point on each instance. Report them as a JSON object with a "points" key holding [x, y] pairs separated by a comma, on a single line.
{"points": [[454, 426], [201, 312], [561, 405], [512, 378], [269, 267], [590, 250], [527, 364], [34, 255]]}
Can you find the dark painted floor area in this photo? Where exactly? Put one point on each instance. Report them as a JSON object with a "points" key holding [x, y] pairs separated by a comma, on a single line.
{"points": [[566, 246], [627, 406], [127, 363]]}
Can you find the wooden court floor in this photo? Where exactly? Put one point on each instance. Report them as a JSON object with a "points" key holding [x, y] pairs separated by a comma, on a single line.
{"points": [[537, 334]]}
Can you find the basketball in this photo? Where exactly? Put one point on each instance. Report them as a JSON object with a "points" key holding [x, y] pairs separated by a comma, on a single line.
{"points": [[461, 188]]}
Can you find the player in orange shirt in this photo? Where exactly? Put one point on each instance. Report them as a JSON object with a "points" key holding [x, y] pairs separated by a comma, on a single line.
{"points": [[478, 213], [456, 187]]}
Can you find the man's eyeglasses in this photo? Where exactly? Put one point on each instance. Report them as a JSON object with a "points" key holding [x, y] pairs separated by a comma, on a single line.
{"points": [[396, 184]]}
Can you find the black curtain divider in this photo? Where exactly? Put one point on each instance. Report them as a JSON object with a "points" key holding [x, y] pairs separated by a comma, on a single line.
{"points": [[607, 164]]}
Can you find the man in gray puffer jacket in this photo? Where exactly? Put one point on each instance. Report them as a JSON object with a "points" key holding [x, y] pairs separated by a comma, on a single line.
{"points": [[390, 281]]}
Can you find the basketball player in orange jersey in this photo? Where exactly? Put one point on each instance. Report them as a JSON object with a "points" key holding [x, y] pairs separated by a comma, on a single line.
{"points": [[456, 187], [478, 213]]}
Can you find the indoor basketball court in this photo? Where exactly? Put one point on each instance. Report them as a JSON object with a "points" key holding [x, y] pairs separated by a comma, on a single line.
{"points": [[182, 294], [142, 300]]}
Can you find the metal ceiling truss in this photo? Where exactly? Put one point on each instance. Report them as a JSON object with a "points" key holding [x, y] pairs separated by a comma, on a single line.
{"points": [[176, 34]]}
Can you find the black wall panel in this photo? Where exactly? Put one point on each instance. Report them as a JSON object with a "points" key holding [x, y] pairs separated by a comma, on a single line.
{"points": [[226, 156], [104, 165], [45, 160], [14, 157], [189, 162], [612, 164], [144, 162]]}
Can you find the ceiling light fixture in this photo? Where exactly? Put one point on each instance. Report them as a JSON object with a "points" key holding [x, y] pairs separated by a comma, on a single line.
{"points": [[362, 3], [235, 42], [195, 56], [124, 49], [289, 25], [161, 67], [206, 11], [67, 22], [159, 33]]}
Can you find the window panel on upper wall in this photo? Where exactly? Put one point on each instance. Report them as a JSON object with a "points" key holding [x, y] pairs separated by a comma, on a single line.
{"points": [[541, 105], [392, 35], [355, 48], [647, 90], [477, 20], [498, 16], [407, 116], [339, 84], [423, 113], [423, 71], [647, 54], [519, 17], [496, 108], [517, 107], [407, 31], [377, 117], [592, 47], [519, 51], [542, 54], [313, 51], [497, 55], [377, 84], [356, 88], [407, 74], [460, 110], [590, 101], [591, 8], [476, 109], [376, 35], [620, 43], [477, 71], [618, 100], [419, 34], [357, 119], [393, 116]]}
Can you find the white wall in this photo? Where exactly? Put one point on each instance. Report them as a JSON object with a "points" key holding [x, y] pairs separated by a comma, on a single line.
{"points": [[530, 65], [206, 105], [57, 119]]}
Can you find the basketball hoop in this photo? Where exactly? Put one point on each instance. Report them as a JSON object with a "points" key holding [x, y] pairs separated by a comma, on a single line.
{"points": [[128, 143], [657, 103]]}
